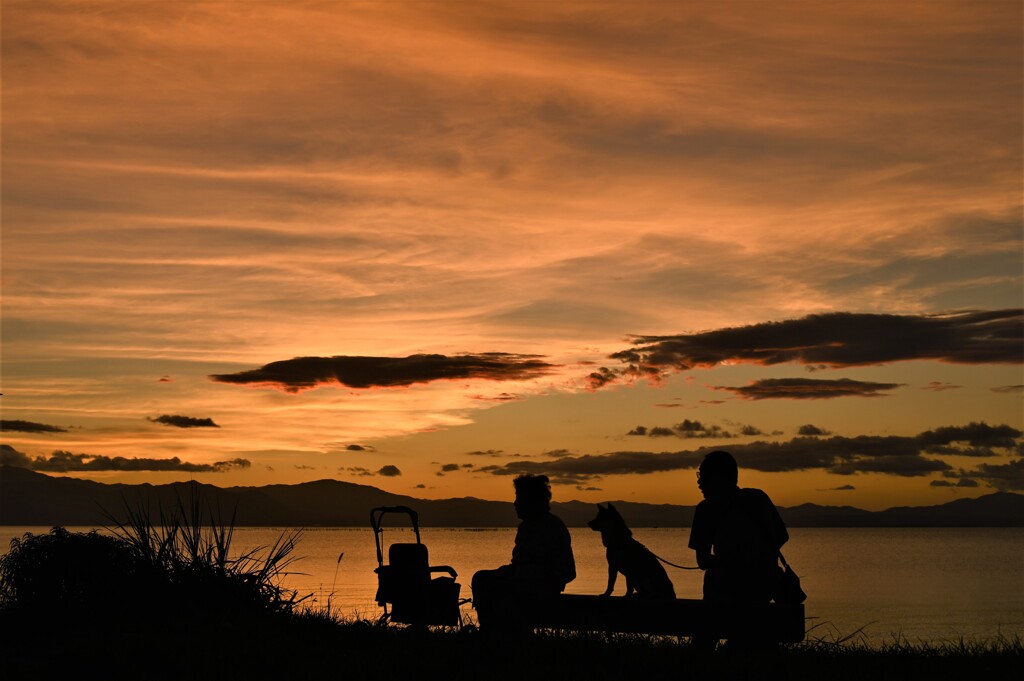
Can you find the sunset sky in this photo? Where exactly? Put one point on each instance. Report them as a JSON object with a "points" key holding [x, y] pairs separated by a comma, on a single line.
{"points": [[426, 246]]}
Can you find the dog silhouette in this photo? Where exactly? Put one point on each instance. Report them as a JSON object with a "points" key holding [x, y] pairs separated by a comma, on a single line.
{"points": [[645, 576]]}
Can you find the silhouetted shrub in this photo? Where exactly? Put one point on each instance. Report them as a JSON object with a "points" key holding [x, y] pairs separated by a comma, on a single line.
{"points": [[72, 571], [177, 571]]}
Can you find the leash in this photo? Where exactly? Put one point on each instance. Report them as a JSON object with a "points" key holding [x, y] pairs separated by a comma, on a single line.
{"points": [[681, 567]]}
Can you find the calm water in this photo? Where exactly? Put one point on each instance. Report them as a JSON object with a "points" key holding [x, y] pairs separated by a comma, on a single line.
{"points": [[921, 583]]}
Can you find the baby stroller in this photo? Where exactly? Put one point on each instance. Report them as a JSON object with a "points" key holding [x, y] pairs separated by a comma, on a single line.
{"points": [[405, 582]]}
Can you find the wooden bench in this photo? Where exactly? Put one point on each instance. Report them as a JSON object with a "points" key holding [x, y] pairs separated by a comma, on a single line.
{"points": [[679, 617]]}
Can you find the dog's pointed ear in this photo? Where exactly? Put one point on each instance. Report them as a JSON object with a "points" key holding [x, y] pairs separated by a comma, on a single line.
{"points": [[599, 507]]}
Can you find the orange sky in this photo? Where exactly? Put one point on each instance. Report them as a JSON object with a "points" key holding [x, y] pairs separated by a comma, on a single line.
{"points": [[197, 189]]}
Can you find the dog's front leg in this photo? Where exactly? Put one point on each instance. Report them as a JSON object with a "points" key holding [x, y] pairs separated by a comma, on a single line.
{"points": [[630, 588], [612, 574]]}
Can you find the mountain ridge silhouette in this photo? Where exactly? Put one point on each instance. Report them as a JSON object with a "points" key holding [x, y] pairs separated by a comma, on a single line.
{"points": [[31, 498]]}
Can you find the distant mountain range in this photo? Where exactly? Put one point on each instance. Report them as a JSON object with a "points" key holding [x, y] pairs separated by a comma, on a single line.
{"points": [[30, 498]]}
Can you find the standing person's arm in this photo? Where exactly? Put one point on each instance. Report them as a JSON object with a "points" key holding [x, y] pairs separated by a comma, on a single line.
{"points": [[700, 537], [567, 561], [776, 528]]}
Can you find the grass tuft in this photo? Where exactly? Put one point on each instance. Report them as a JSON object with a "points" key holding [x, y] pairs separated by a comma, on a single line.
{"points": [[190, 545]]}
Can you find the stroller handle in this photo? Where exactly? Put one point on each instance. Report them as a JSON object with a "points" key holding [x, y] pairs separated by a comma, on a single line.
{"points": [[377, 515]]}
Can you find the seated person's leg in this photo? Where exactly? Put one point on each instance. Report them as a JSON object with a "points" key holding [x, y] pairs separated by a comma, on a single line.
{"points": [[490, 589]]}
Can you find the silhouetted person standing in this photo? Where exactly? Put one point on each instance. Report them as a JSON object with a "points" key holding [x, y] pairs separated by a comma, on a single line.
{"points": [[737, 534], [542, 561]]}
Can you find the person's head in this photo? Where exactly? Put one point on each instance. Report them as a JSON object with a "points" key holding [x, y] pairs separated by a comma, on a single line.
{"points": [[533, 495], [717, 473]]}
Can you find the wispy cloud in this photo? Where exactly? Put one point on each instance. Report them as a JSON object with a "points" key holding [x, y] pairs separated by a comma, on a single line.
{"points": [[317, 182], [940, 386], [501, 397]]}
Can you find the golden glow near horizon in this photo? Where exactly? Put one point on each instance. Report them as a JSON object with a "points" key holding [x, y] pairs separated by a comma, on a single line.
{"points": [[205, 188]]}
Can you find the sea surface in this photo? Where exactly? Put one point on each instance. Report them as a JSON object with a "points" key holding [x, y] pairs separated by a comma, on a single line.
{"points": [[919, 584]]}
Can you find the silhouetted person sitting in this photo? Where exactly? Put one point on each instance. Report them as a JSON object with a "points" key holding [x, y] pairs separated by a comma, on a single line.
{"points": [[542, 561], [737, 534]]}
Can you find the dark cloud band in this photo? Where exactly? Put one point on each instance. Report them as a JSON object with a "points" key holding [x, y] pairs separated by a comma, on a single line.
{"points": [[387, 470], [808, 389], [66, 462], [184, 421], [840, 339], [303, 373], [30, 427], [692, 430], [903, 456], [1006, 477]]}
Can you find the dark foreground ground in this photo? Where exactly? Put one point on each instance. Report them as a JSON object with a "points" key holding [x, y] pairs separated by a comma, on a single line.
{"points": [[166, 601], [49, 646]]}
